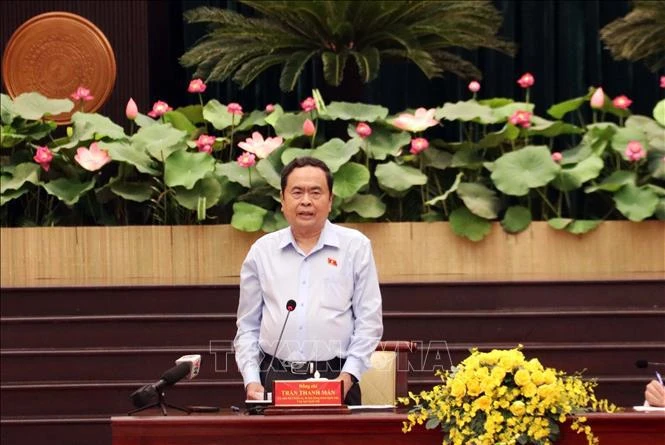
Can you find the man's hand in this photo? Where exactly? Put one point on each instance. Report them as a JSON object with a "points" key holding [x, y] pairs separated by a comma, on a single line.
{"points": [[255, 391], [655, 393], [348, 382]]}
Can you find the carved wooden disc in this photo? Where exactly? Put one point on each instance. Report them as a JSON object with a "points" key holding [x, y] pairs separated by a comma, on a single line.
{"points": [[55, 53]]}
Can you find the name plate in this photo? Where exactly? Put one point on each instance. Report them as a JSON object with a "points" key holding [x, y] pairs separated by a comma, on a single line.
{"points": [[308, 392]]}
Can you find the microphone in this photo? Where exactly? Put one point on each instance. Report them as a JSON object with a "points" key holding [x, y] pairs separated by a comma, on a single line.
{"points": [[149, 394], [646, 364], [194, 361], [290, 307]]}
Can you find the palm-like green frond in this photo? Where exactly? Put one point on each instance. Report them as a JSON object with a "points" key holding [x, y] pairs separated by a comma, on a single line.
{"points": [[291, 32], [640, 35]]}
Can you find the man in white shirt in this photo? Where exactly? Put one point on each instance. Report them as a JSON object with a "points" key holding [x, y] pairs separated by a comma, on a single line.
{"points": [[329, 271]]}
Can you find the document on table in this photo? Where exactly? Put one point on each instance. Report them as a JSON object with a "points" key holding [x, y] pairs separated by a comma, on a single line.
{"points": [[352, 407], [648, 408]]}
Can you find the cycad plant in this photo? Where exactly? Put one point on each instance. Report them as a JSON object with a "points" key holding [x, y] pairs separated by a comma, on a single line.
{"points": [[291, 33], [640, 35]]}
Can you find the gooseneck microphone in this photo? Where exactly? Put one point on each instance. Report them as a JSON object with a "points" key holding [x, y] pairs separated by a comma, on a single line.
{"points": [[290, 307], [646, 364]]}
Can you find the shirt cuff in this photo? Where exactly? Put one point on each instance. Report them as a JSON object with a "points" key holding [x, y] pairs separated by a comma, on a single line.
{"points": [[251, 375], [354, 366]]}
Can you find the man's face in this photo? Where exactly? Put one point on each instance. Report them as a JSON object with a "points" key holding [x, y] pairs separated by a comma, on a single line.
{"points": [[306, 201]]}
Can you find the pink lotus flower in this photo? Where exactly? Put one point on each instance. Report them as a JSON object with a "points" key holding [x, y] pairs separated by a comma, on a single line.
{"points": [[662, 81], [308, 127], [474, 86], [260, 147], [43, 157], [246, 160], [234, 108], [598, 98], [622, 102], [82, 93], [521, 118], [196, 86], [270, 108], [131, 110], [363, 130], [308, 104], [421, 120], [526, 80], [204, 143], [634, 151], [159, 108], [418, 145], [92, 159], [557, 157]]}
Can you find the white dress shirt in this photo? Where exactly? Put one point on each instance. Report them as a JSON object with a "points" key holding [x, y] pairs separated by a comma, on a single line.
{"points": [[336, 288]]}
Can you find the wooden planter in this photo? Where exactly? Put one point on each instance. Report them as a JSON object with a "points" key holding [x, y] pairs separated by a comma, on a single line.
{"points": [[404, 252]]}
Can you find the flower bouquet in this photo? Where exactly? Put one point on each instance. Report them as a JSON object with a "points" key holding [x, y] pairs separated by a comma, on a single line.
{"points": [[500, 397]]}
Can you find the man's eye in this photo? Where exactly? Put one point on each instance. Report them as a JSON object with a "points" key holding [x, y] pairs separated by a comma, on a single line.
{"points": [[296, 194]]}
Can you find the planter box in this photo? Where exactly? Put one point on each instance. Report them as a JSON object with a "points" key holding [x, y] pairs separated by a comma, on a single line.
{"points": [[404, 252]]}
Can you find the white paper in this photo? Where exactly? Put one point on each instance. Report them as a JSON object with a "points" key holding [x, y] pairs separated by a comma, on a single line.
{"points": [[648, 408], [370, 406]]}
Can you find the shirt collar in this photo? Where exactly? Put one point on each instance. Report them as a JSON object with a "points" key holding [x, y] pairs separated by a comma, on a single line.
{"points": [[328, 237]]}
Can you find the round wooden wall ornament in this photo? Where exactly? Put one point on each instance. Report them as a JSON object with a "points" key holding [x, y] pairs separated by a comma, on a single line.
{"points": [[54, 54]]}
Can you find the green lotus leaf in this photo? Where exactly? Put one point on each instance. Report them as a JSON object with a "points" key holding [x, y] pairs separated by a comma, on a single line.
{"points": [[383, 143], [659, 112], [469, 110], [479, 199], [624, 135], [33, 106], [558, 111], [550, 129], [132, 191], [247, 217], [530, 167], [335, 153], [142, 120], [398, 178], [504, 112], [9, 137], [572, 178], [68, 190], [576, 227], [267, 170], [159, 140], [193, 113], [496, 102], [22, 173], [453, 188], [217, 114], [230, 190], [274, 221], [254, 119], [636, 203], [613, 182], [660, 209], [93, 126], [436, 158], [644, 124], [186, 168], [516, 219], [359, 112], [7, 112], [290, 154], [11, 195], [656, 159], [240, 175], [208, 188], [349, 179], [466, 224], [289, 125], [179, 121], [124, 152], [272, 118], [576, 154], [367, 206], [494, 139], [471, 159]]}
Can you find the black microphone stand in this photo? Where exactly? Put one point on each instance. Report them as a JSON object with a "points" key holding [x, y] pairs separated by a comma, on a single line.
{"points": [[162, 404], [290, 307]]}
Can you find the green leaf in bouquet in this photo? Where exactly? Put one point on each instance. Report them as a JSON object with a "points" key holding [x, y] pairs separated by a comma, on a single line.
{"points": [[550, 129], [613, 182], [11, 195], [494, 139], [33, 106], [529, 167], [254, 119], [159, 140], [218, 115], [572, 178], [186, 168], [350, 179], [247, 217], [274, 221], [383, 143], [504, 112], [636, 203], [22, 173], [558, 111], [516, 219], [398, 178], [358, 112], [574, 226], [479, 199], [466, 224], [68, 190], [432, 423], [367, 206], [659, 112], [471, 158], [436, 158], [93, 126], [444, 196], [132, 191], [179, 121], [208, 188], [124, 152], [467, 111], [289, 125], [625, 135]]}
